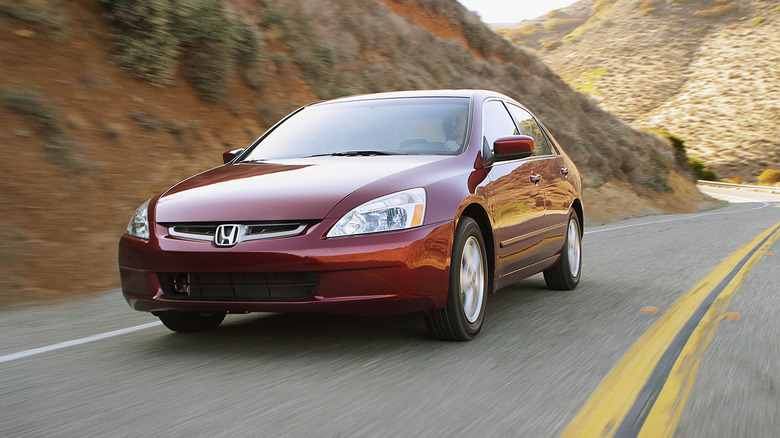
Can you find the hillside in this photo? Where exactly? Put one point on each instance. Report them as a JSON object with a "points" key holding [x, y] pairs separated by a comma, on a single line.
{"points": [[105, 103], [707, 71]]}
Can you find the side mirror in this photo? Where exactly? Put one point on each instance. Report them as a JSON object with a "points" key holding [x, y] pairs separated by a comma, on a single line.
{"points": [[513, 147], [231, 155]]}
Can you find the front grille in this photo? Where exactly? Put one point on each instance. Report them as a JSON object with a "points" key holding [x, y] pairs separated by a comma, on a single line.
{"points": [[270, 286], [253, 231]]}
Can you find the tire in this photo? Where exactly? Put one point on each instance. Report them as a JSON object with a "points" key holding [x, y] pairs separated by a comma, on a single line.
{"points": [[462, 316], [189, 322], [566, 274]]}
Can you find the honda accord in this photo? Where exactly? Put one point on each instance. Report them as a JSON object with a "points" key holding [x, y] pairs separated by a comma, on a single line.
{"points": [[405, 202]]}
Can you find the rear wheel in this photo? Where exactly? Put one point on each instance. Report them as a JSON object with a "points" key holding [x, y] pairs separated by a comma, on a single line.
{"points": [[462, 316], [566, 274], [187, 322]]}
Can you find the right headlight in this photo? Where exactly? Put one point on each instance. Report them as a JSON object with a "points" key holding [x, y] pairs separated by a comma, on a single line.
{"points": [[139, 223], [397, 211]]}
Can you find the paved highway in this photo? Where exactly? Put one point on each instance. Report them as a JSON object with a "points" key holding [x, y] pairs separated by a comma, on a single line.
{"points": [[542, 366]]}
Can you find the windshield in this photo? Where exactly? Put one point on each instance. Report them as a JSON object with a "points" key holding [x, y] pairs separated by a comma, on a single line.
{"points": [[429, 126]]}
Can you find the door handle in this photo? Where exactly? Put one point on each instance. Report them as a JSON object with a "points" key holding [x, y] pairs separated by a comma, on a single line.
{"points": [[565, 172], [535, 178]]}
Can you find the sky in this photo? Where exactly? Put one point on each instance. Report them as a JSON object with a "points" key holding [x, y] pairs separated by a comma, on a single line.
{"points": [[512, 11]]}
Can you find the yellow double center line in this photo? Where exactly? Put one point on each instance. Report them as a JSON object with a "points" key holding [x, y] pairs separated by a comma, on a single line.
{"points": [[646, 391]]}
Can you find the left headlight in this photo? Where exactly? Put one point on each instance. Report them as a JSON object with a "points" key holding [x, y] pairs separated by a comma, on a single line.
{"points": [[139, 223], [397, 211]]}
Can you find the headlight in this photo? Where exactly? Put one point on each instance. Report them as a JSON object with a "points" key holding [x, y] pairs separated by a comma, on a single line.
{"points": [[398, 211], [139, 223]]}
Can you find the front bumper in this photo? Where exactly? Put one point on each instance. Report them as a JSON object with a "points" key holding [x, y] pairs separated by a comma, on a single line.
{"points": [[395, 272]]}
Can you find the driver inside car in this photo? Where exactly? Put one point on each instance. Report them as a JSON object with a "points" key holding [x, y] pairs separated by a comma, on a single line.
{"points": [[454, 130]]}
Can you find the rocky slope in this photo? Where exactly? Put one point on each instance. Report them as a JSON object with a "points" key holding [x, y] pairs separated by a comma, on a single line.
{"points": [[704, 70], [107, 102]]}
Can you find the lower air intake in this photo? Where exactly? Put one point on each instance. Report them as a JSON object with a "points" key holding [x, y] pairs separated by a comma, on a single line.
{"points": [[275, 286]]}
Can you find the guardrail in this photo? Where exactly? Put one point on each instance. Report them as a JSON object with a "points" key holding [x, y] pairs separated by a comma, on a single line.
{"points": [[739, 186]]}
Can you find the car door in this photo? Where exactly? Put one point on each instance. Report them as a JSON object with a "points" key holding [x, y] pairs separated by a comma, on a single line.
{"points": [[551, 168], [516, 201]]}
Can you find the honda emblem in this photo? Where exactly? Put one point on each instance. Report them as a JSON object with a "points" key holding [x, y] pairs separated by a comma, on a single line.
{"points": [[226, 235]]}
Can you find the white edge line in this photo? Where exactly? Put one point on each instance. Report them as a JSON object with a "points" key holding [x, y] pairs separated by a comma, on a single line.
{"points": [[763, 205], [66, 344]]}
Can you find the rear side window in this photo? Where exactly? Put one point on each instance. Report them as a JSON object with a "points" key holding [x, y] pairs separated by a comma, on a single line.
{"points": [[529, 126], [496, 123]]}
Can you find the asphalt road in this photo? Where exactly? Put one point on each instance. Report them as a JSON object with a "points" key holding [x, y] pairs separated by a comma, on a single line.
{"points": [[539, 358]]}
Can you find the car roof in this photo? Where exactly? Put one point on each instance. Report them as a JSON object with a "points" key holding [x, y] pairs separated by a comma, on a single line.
{"points": [[467, 93]]}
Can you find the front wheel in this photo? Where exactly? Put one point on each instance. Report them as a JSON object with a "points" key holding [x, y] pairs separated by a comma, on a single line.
{"points": [[188, 322], [566, 274], [462, 316]]}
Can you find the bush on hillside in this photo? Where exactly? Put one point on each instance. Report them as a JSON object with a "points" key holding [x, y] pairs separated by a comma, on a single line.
{"points": [[562, 24], [700, 170], [206, 36], [718, 11], [57, 143], [47, 15], [151, 35], [145, 43], [602, 5], [551, 45], [769, 177], [649, 7]]}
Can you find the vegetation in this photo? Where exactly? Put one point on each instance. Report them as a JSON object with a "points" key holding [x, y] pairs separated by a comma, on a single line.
{"points": [[152, 35], [701, 171], [769, 177], [602, 5], [562, 24], [697, 166], [551, 45], [589, 84], [58, 144], [207, 40], [47, 15], [718, 11], [649, 7]]}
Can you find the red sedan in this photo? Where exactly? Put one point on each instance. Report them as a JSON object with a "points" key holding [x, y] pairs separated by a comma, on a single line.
{"points": [[402, 202]]}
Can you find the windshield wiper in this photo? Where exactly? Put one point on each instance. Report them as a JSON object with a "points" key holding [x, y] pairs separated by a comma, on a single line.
{"points": [[355, 154]]}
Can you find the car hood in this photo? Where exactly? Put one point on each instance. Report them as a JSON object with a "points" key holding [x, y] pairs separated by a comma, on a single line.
{"points": [[300, 189]]}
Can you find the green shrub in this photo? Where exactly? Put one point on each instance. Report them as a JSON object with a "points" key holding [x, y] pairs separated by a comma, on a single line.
{"points": [[526, 31], [700, 170], [479, 37], [718, 11], [57, 143], [152, 36], [562, 24], [47, 15], [557, 13], [552, 45], [601, 6], [758, 20], [650, 6], [769, 177], [28, 101], [145, 43], [207, 38]]}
